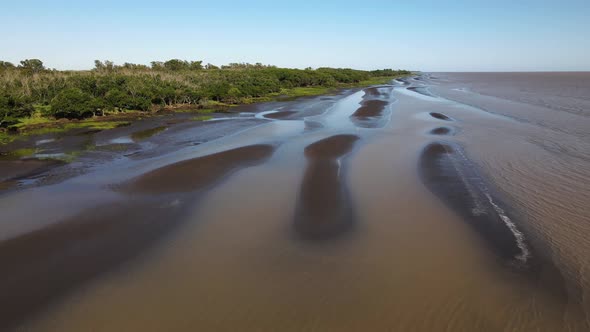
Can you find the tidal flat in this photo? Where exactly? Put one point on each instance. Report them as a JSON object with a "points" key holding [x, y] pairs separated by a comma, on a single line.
{"points": [[442, 201]]}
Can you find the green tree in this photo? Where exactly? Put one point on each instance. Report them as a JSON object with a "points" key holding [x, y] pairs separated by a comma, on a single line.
{"points": [[116, 98], [98, 65], [33, 66], [157, 65], [78, 94], [4, 65], [12, 108], [196, 65], [176, 64], [104, 66], [217, 91], [233, 95], [73, 103]]}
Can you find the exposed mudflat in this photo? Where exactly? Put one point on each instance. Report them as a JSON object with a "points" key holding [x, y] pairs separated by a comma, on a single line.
{"points": [[439, 116], [375, 108], [197, 173], [280, 114], [324, 208], [442, 131]]}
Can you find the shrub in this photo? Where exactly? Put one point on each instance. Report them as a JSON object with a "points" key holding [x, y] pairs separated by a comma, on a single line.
{"points": [[73, 103], [12, 108]]}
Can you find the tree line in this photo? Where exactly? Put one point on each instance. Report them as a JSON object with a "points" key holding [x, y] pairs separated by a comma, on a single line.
{"points": [[31, 87]]}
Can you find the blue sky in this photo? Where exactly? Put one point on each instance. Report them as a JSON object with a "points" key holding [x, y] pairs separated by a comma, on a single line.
{"points": [[418, 35]]}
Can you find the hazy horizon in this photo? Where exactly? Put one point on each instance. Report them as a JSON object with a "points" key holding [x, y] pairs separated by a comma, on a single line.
{"points": [[426, 36]]}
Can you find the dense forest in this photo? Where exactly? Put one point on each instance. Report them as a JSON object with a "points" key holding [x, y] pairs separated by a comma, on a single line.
{"points": [[30, 88]]}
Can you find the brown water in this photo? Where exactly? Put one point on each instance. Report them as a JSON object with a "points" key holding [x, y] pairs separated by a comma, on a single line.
{"points": [[459, 204]]}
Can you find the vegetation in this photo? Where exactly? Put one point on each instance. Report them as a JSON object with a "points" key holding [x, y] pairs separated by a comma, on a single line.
{"points": [[202, 118], [57, 127], [31, 93], [305, 91], [17, 154]]}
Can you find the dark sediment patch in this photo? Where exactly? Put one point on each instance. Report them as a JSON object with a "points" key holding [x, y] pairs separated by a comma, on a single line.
{"points": [[370, 108], [42, 266], [313, 109], [442, 131], [371, 114], [145, 128], [147, 133], [313, 125], [405, 81], [19, 169], [197, 173], [301, 107], [324, 207], [440, 116], [82, 148], [279, 115], [373, 92], [52, 143], [383, 92], [448, 174], [9, 184], [11, 171], [192, 133]]}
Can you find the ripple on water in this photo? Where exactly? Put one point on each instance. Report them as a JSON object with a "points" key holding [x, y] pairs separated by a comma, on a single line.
{"points": [[447, 173]]}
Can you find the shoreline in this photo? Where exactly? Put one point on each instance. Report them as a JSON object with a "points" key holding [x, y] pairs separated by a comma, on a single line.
{"points": [[46, 145], [38, 124], [45, 125]]}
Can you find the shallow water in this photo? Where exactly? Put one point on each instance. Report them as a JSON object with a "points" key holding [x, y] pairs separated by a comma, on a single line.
{"points": [[455, 207]]}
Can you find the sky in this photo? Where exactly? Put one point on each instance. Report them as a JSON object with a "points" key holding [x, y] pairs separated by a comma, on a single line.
{"points": [[468, 35]]}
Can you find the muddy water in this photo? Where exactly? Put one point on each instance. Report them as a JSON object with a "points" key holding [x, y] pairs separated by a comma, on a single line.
{"points": [[426, 205]]}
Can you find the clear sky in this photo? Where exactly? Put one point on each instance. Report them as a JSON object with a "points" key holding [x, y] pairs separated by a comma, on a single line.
{"points": [[418, 35]]}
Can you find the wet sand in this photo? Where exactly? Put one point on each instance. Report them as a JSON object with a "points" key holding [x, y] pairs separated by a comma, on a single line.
{"points": [[43, 265], [373, 112], [455, 182], [13, 170], [102, 238], [324, 208], [440, 116], [442, 131], [197, 173], [370, 108], [280, 114], [464, 209]]}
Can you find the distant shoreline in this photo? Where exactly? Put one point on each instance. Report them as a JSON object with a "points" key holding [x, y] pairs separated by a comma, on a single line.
{"points": [[35, 99]]}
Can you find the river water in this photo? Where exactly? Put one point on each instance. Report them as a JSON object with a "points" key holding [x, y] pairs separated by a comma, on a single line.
{"points": [[444, 202]]}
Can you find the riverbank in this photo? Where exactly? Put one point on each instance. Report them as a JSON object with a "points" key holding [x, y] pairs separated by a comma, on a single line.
{"points": [[30, 97], [47, 151], [38, 124]]}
